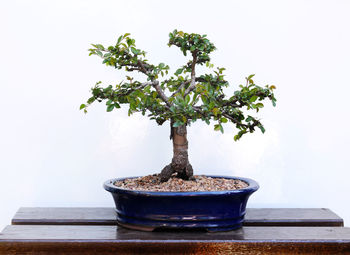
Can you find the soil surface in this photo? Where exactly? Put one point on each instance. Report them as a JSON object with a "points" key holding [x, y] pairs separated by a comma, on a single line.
{"points": [[175, 184]]}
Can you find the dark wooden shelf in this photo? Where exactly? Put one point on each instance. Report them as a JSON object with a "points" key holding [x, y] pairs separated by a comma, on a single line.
{"points": [[25, 239], [106, 216], [94, 231]]}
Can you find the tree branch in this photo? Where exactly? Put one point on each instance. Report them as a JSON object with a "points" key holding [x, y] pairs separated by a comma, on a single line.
{"points": [[161, 93], [142, 66], [129, 91], [234, 120], [246, 126], [193, 74], [233, 103], [130, 69], [199, 110], [142, 85], [228, 116], [180, 88]]}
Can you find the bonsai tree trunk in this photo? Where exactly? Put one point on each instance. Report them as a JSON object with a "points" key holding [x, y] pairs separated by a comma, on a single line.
{"points": [[179, 163]]}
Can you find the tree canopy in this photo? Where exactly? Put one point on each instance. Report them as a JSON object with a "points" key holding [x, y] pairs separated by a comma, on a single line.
{"points": [[183, 97]]}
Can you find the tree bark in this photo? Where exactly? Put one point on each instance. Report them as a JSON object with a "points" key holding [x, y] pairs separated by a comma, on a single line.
{"points": [[180, 163]]}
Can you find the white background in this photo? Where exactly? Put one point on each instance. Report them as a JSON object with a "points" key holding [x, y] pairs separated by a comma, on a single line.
{"points": [[51, 154]]}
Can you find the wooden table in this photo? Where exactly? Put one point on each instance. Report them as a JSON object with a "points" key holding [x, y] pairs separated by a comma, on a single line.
{"points": [[93, 231]]}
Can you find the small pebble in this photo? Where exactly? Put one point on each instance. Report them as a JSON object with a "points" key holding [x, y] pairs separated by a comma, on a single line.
{"points": [[174, 184]]}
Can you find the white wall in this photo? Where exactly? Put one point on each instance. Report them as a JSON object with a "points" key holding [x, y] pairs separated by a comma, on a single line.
{"points": [[51, 154]]}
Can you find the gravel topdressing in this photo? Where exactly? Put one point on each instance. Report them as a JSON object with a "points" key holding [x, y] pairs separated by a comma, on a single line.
{"points": [[174, 184]]}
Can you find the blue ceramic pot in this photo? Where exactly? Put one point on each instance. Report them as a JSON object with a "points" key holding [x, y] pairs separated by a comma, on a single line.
{"points": [[210, 210]]}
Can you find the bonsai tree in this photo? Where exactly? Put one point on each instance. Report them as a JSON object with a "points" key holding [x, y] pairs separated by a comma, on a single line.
{"points": [[181, 98]]}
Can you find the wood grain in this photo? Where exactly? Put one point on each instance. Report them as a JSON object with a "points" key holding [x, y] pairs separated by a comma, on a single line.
{"points": [[106, 216], [25, 239]]}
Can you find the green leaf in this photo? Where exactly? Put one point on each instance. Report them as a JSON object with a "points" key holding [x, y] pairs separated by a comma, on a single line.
{"points": [[250, 76], [239, 135], [250, 118], [135, 51], [154, 94], [99, 53], [218, 127], [262, 128], [179, 71], [82, 106], [253, 99], [215, 111], [204, 99], [100, 46], [187, 99], [119, 39], [129, 41], [223, 120], [110, 107], [221, 69], [109, 102], [221, 129], [274, 102], [90, 100], [177, 124]]}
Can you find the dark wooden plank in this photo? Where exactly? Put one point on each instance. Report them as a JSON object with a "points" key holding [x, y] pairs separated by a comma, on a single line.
{"points": [[106, 216], [65, 216], [292, 217], [66, 232], [24, 239]]}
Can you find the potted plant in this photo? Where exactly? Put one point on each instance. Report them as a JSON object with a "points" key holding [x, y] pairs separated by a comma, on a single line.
{"points": [[176, 198]]}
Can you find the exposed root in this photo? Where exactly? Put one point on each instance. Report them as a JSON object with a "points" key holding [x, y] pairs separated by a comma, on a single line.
{"points": [[185, 173], [166, 173]]}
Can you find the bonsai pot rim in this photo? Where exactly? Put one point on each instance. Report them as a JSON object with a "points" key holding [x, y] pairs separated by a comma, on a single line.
{"points": [[252, 187]]}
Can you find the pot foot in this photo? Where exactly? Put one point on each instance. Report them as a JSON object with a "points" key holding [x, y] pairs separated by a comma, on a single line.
{"points": [[178, 229], [136, 227], [223, 229]]}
